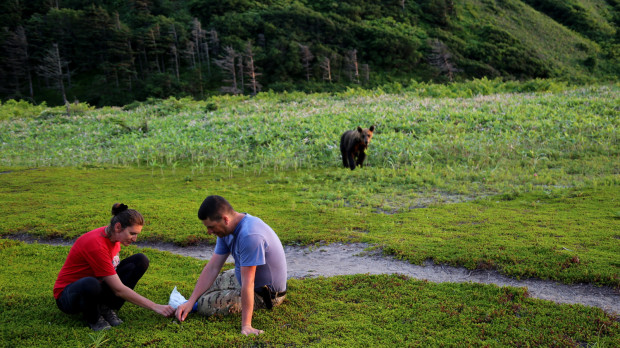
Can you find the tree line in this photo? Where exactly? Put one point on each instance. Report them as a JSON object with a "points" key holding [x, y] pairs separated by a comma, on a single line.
{"points": [[112, 52]]}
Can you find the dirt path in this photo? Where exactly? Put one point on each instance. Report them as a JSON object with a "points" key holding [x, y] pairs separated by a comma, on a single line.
{"points": [[341, 259]]}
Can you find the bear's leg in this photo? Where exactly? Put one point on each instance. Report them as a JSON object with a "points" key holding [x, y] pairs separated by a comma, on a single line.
{"points": [[351, 160], [360, 158], [343, 152], [344, 159]]}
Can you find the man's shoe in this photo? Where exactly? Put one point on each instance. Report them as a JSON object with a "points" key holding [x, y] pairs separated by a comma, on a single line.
{"points": [[101, 324], [109, 315]]}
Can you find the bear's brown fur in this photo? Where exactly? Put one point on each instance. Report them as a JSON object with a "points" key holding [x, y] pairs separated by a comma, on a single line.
{"points": [[353, 145]]}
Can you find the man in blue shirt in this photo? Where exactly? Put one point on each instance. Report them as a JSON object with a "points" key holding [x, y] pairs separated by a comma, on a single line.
{"points": [[259, 277]]}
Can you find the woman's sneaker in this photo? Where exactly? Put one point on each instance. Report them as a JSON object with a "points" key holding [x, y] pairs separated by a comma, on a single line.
{"points": [[109, 315], [101, 324]]}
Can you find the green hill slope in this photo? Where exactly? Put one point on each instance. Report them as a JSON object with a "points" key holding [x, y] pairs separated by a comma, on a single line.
{"points": [[517, 35]]}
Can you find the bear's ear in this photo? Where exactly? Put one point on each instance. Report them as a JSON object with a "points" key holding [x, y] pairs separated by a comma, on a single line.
{"points": [[359, 129], [372, 128]]}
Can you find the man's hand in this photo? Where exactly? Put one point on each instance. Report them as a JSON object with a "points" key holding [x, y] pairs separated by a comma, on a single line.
{"points": [[248, 330], [183, 310], [165, 310]]}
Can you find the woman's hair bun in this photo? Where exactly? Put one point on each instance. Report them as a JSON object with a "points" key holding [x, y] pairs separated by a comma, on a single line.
{"points": [[118, 208]]}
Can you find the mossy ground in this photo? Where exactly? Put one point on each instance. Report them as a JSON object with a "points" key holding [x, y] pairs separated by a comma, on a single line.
{"points": [[569, 235], [355, 310], [564, 234]]}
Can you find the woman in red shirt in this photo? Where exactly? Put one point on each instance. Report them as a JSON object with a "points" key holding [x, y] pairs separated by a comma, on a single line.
{"points": [[94, 281]]}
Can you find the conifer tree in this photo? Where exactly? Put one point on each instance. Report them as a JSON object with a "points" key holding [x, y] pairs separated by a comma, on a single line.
{"points": [[441, 58], [120, 54], [198, 36], [352, 68], [336, 62], [151, 44], [17, 64], [228, 66], [190, 53], [214, 40], [175, 60], [52, 68], [306, 59], [251, 69], [174, 52], [240, 72], [327, 70], [365, 71]]}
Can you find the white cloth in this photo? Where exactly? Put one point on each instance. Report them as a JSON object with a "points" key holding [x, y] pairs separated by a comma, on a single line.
{"points": [[176, 299]]}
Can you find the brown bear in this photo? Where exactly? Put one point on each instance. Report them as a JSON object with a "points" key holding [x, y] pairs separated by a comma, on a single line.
{"points": [[353, 145]]}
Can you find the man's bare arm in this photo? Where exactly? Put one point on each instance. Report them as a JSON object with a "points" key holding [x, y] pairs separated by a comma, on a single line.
{"points": [[247, 300], [204, 282]]}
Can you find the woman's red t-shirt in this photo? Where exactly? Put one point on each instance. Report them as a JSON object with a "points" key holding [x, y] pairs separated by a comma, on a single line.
{"points": [[92, 255]]}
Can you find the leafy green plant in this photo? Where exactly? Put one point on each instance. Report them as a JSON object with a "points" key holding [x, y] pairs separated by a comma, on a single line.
{"points": [[96, 339], [14, 109], [485, 135]]}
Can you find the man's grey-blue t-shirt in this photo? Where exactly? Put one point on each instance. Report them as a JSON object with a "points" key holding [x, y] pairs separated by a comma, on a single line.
{"points": [[254, 243]]}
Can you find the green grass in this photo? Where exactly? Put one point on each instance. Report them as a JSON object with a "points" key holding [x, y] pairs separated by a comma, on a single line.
{"points": [[522, 235], [340, 311], [471, 175], [484, 143]]}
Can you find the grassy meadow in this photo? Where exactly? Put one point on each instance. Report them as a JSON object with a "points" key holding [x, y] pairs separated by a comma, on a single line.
{"points": [[518, 177]]}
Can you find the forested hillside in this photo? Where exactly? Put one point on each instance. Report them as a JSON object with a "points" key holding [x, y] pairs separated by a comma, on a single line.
{"points": [[112, 52]]}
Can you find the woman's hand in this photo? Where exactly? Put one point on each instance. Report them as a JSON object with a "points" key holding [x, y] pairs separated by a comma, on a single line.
{"points": [[165, 310]]}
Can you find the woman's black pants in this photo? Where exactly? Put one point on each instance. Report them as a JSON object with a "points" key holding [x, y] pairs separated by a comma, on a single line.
{"points": [[85, 295]]}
